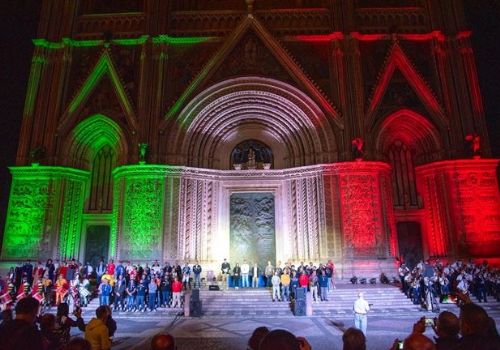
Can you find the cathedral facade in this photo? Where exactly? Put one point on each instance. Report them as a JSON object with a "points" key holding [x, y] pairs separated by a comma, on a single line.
{"points": [[298, 130]]}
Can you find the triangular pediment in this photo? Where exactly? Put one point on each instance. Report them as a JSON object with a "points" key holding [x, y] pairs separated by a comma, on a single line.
{"points": [[252, 43], [104, 75], [398, 70]]}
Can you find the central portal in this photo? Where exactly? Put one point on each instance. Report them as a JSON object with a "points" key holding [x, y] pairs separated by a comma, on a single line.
{"points": [[252, 233]]}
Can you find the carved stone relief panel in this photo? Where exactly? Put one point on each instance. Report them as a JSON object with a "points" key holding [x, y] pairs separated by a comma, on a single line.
{"points": [[141, 231], [252, 228], [25, 228]]}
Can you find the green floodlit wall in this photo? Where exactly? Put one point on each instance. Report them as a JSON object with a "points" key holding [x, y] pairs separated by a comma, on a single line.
{"points": [[44, 214], [137, 229]]}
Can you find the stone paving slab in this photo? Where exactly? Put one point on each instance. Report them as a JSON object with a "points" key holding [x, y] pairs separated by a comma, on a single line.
{"points": [[208, 333]]}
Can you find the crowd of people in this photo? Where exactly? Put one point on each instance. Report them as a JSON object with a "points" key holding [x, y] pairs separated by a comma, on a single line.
{"points": [[32, 329], [134, 287], [125, 286], [128, 287], [284, 279], [432, 282]]}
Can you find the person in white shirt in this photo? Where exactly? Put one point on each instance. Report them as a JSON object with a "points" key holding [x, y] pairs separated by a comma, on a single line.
{"points": [[361, 308], [276, 280], [245, 269], [255, 276]]}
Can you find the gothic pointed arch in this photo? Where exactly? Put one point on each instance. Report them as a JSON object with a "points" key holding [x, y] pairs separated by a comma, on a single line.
{"points": [[276, 50], [398, 60], [267, 110], [406, 139], [89, 137], [412, 129], [103, 69]]}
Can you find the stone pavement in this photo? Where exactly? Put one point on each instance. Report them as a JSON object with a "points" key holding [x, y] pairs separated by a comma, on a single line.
{"points": [[232, 333], [231, 316]]}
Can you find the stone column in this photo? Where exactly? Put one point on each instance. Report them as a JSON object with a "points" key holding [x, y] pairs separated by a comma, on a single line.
{"points": [[462, 207]]}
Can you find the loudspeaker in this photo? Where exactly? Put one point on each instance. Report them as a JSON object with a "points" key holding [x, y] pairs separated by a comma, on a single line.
{"points": [[300, 293], [195, 308], [195, 294], [299, 308], [195, 303], [213, 287]]}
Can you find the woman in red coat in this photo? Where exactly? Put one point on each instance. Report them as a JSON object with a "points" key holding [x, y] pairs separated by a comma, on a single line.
{"points": [[176, 292]]}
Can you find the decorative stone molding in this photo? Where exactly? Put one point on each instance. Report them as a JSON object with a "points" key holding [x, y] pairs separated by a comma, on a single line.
{"points": [[121, 25]]}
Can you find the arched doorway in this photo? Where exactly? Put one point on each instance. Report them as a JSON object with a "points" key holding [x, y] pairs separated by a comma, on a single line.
{"points": [[410, 242]]}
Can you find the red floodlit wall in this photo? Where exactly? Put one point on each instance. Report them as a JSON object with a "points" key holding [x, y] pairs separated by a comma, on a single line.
{"points": [[366, 212], [462, 207]]}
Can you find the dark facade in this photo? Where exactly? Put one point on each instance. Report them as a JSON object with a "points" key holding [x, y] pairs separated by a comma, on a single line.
{"points": [[365, 117]]}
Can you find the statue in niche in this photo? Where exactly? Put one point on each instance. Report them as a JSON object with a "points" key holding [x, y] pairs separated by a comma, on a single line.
{"points": [[475, 144], [250, 53], [251, 154], [143, 148], [358, 148], [237, 159], [251, 159], [36, 155]]}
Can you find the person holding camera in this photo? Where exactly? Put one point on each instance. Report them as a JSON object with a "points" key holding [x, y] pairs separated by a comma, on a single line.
{"points": [[64, 323], [446, 326]]}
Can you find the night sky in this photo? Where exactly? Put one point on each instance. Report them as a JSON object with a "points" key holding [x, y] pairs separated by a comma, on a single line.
{"points": [[19, 20]]}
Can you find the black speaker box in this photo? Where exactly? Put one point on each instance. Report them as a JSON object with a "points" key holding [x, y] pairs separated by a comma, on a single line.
{"points": [[195, 308], [300, 308], [195, 294], [300, 293], [213, 287]]}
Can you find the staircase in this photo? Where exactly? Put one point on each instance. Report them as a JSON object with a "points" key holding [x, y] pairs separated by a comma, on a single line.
{"points": [[386, 299]]}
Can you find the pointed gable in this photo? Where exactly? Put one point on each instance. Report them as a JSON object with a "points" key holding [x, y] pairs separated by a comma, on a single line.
{"points": [[263, 53], [398, 69], [103, 82]]}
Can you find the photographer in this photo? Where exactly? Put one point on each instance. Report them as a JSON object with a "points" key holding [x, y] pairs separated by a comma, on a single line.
{"points": [[446, 326], [64, 323]]}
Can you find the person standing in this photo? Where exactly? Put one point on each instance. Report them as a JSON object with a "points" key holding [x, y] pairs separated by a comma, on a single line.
{"points": [[197, 275], [236, 276], [225, 269], [176, 293], [313, 286], [110, 269], [323, 284], [275, 280], [255, 276], [62, 287], [104, 292], [245, 269], [22, 332], [141, 293], [120, 287], [165, 286], [361, 308], [100, 270], [152, 288], [51, 269], [330, 274], [131, 291], [285, 285], [186, 273], [96, 331], [269, 273]]}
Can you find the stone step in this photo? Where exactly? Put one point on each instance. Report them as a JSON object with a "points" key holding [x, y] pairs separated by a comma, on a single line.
{"points": [[386, 300]]}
